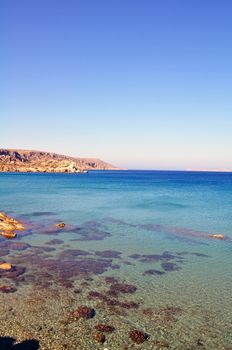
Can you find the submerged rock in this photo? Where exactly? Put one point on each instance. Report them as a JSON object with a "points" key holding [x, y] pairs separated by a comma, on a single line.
{"points": [[217, 236], [60, 225], [102, 327], [117, 288], [8, 235], [138, 337], [5, 266], [8, 226], [7, 289], [100, 337], [83, 312]]}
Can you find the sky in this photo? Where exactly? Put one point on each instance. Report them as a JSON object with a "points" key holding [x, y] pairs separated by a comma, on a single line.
{"points": [[142, 84]]}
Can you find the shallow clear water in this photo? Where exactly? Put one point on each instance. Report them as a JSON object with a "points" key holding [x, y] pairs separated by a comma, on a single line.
{"points": [[183, 277]]}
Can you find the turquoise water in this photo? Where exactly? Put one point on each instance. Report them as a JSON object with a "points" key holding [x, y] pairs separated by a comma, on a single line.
{"points": [[158, 223]]}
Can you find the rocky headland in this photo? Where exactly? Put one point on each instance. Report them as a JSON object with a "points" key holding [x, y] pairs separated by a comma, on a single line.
{"points": [[12, 160]]}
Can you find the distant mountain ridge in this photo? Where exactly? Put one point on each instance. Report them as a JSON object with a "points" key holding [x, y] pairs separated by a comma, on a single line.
{"points": [[16, 160]]}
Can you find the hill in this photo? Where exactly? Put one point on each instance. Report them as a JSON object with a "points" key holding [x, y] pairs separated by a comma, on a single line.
{"points": [[13, 160]]}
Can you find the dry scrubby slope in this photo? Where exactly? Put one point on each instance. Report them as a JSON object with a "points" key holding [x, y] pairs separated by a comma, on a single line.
{"points": [[12, 160]]}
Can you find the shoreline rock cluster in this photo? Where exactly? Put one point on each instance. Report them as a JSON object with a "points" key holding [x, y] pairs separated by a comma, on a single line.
{"points": [[8, 226]]}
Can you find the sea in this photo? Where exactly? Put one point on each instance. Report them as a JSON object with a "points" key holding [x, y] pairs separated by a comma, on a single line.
{"points": [[137, 249]]}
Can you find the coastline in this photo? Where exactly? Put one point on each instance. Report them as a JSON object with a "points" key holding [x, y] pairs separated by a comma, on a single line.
{"points": [[37, 161]]}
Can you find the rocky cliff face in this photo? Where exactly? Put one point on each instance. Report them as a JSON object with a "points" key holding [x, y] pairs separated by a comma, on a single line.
{"points": [[12, 160]]}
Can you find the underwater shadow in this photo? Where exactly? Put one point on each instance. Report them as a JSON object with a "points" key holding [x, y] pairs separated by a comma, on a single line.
{"points": [[8, 343]]}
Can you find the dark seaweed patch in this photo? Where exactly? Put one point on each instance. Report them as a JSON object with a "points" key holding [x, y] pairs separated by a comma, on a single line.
{"points": [[108, 254], [119, 287], [12, 245], [42, 249], [112, 297], [70, 268], [62, 268], [154, 272], [89, 234], [165, 259], [90, 231], [182, 253], [115, 266], [72, 253], [39, 213], [153, 257], [202, 255], [168, 314], [54, 241], [52, 230], [4, 252], [135, 256], [43, 213], [14, 273], [119, 222], [180, 233], [168, 266], [111, 279], [113, 302], [125, 262]]}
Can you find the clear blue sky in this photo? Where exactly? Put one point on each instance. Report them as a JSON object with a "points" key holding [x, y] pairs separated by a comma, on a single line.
{"points": [[139, 83]]}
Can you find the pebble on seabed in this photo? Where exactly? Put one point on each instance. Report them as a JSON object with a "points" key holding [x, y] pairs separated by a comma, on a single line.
{"points": [[60, 225], [5, 266], [100, 337]]}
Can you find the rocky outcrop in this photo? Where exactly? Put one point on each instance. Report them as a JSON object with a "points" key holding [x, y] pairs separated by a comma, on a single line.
{"points": [[8, 226], [217, 236], [12, 160]]}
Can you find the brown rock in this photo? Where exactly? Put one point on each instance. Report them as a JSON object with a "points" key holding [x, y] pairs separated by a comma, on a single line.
{"points": [[83, 312], [101, 327], [7, 289], [217, 236], [100, 337], [137, 336], [60, 225], [8, 226], [8, 235], [5, 266]]}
